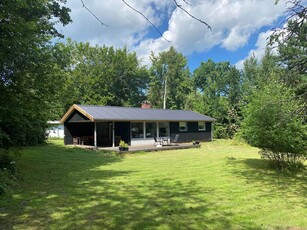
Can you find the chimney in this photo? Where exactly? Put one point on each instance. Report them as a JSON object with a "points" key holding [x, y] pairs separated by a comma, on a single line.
{"points": [[145, 105]]}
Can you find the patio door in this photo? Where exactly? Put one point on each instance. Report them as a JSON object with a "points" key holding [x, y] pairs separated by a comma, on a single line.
{"points": [[104, 134], [164, 129]]}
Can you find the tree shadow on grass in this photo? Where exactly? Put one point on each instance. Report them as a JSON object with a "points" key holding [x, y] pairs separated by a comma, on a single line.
{"points": [[281, 183], [51, 175], [159, 203], [66, 188]]}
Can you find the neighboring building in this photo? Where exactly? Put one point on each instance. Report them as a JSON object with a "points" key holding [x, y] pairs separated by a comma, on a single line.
{"points": [[55, 129], [103, 126]]}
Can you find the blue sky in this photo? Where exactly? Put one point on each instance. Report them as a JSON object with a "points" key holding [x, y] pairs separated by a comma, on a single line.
{"points": [[235, 57], [239, 27]]}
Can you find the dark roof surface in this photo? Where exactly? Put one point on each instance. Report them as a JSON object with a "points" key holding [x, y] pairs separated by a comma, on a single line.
{"points": [[114, 113]]}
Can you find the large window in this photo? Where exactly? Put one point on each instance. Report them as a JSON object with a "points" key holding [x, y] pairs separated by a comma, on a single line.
{"points": [[151, 129], [201, 126], [143, 130], [137, 129], [163, 129], [183, 126]]}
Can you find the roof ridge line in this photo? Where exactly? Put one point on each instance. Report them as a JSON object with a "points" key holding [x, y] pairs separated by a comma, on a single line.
{"points": [[132, 107]]}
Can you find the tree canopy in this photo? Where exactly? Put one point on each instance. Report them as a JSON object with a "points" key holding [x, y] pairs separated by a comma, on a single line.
{"points": [[169, 80], [29, 72], [103, 75], [219, 85]]}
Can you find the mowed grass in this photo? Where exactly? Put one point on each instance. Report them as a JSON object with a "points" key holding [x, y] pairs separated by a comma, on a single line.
{"points": [[217, 186]]}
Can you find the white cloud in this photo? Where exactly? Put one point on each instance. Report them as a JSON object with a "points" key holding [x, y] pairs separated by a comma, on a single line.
{"points": [[125, 26], [259, 52], [232, 21]]}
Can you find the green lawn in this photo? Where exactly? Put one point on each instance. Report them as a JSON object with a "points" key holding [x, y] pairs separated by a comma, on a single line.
{"points": [[217, 186]]}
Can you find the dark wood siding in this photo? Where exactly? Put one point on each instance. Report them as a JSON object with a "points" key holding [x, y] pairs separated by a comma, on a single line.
{"points": [[122, 132], [208, 126], [192, 132], [77, 125], [77, 117], [104, 134], [67, 135], [79, 129]]}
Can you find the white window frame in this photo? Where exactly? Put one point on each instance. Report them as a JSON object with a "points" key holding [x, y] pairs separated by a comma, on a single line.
{"points": [[185, 126], [204, 126]]}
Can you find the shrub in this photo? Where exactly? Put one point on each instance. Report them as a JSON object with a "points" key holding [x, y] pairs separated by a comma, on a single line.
{"points": [[7, 170], [225, 131], [238, 139], [274, 124], [123, 144], [284, 161], [7, 162], [5, 178], [220, 131]]}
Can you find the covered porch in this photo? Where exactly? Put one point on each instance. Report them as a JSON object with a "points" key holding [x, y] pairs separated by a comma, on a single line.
{"points": [[97, 134]]}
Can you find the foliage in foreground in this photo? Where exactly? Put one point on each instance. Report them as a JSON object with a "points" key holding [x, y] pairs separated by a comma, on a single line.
{"points": [[7, 170], [29, 71], [273, 123]]}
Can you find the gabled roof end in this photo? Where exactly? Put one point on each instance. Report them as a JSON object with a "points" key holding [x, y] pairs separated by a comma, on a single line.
{"points": [[71, 110]]}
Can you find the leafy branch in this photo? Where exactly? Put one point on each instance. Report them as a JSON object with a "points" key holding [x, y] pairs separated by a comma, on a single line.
{"points": [[297, 13]]}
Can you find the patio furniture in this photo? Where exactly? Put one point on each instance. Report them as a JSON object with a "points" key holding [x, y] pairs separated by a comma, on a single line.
{"points": [[76, 140], [158, 141], [196, 143], [175, 140], [166, 141]]}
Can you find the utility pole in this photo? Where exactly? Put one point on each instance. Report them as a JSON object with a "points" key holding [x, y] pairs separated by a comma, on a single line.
{"points": [[164, 97]]}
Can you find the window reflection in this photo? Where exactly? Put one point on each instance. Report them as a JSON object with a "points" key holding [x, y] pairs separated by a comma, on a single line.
{"points": [[137, 130], [151, 129], [163, 129]]}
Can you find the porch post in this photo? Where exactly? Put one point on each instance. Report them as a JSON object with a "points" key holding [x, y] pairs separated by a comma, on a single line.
{"points": [[211, 131], [144, 131], [95, 135], [113, 134]]}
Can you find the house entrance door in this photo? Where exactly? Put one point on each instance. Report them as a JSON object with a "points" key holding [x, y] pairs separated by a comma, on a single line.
{"points": [[104, 134]]}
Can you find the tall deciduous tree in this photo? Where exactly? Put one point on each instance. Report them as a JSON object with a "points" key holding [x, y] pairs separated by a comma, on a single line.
{"points": [[169, 80], [28, 70], [104, 76], [292, 57], [256, 73], [220, 87], [292, 47]]}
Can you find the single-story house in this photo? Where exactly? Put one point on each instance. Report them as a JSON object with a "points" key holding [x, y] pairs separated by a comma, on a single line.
{"points": [[105, 126]]}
